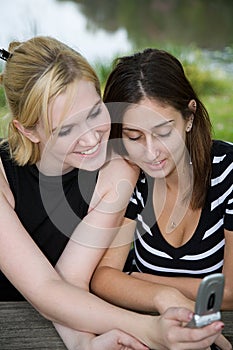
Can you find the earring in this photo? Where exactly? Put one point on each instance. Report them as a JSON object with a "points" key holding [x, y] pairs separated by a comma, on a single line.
{"points": [[189, 127]]}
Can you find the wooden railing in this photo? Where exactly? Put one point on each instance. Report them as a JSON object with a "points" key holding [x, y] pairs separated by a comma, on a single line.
{"points": [[22, 328]]}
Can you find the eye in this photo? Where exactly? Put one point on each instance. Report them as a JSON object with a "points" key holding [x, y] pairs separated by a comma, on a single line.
{"points": [[95, 112], [132, 135], [65, 131], [165, 134], [164, 131], [134, 138]]}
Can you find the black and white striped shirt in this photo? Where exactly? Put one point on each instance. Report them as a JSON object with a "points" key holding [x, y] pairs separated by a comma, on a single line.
{"points": [[203, 253]]}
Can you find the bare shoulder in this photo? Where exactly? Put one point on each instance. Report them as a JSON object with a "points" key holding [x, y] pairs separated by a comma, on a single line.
{"points": [[117, 179], [118, 169]]}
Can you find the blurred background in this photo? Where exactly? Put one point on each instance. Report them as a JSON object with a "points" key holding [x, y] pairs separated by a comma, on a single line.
{"points": [[198, 32]]}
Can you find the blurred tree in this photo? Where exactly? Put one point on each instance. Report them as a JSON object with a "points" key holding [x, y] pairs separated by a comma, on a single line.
{"points": [[206, 23]]}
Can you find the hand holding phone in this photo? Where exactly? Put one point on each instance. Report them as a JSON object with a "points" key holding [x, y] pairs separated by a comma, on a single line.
{"points": [[208, 302]]}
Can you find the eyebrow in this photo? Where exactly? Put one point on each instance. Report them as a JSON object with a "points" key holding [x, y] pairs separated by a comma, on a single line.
{"points": [[96, 104], [72, 124], [155, 127]]}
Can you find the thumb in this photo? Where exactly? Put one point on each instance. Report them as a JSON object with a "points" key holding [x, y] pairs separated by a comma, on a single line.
{"points": [[178, 314]]}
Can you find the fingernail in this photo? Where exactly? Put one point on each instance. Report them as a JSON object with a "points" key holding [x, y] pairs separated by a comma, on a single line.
{"points": [[219, 326], [190, 316]]}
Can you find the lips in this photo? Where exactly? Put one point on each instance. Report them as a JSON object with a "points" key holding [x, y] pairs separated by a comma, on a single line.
{"points": [[90, 151], [157, 163]]}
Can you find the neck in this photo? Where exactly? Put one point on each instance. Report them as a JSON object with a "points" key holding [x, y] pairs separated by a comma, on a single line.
{"points": [[49, 170]]}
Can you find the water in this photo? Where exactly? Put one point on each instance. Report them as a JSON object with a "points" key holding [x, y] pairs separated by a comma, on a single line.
{"points": [[22, 19], [103, 29]]}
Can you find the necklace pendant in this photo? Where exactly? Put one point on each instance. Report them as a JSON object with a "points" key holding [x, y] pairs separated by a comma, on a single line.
{"points": [[173, 224]]}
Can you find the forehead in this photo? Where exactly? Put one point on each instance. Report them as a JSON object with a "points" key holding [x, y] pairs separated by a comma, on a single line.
{"points": [[149, 113], [80, 96]]}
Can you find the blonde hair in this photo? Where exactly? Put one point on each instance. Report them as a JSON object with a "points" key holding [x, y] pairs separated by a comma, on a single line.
{"points": [[38, 70]]}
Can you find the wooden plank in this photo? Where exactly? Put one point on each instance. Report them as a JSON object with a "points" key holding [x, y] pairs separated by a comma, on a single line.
{"points": [[227, 317], [22, 328]]}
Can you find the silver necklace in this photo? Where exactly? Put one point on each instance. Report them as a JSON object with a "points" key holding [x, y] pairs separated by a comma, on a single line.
{"points": [[173, 224]]}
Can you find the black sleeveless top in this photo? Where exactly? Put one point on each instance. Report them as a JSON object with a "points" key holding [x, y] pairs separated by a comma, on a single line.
{"points": [[49, 207]]}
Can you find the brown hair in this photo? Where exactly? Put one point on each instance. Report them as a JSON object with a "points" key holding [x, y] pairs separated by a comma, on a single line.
{"points": [[158, 75]]}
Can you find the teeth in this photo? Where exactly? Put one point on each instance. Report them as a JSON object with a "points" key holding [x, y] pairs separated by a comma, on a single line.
{"points": [[156, 163], [90, 151]]}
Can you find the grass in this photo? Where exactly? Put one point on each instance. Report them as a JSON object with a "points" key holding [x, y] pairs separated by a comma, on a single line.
{"points": [[221, 114]]}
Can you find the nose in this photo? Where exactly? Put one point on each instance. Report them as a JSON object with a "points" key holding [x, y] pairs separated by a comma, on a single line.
{"points": [[152, 149], [89, 138]]}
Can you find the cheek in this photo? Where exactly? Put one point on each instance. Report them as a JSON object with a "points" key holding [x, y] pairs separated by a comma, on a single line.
{"points": [[106, 127], [176, 148], [135, 150], [64, 145]]}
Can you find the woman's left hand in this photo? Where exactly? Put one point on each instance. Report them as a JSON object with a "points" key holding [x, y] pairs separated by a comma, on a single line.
{"points": [[116, 340]]}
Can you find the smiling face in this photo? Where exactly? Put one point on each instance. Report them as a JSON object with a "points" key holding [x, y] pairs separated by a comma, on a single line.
{"points": [[154, 138], [80, 126]]}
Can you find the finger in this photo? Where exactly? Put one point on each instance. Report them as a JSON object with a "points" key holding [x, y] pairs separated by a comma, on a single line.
{"points": [[131, 344], [178, 314], [127, 341], [201, 338]]}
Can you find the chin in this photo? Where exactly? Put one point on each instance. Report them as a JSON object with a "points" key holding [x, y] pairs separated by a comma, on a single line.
{"points": [[93, 165]]}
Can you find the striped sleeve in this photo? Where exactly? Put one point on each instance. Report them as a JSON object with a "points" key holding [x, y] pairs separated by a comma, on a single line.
{"points": [[223, 164]]}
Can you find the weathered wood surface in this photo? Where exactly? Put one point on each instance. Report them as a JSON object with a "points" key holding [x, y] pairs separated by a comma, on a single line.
{"points": [[22, 328]]}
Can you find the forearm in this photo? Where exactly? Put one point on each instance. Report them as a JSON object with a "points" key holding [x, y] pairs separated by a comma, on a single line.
{"points": [[74, 340], [84, 312], [188, 286], [135, 294]]}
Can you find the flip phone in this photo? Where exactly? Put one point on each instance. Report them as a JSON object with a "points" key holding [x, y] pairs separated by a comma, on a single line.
{"points": [[209, 300]]}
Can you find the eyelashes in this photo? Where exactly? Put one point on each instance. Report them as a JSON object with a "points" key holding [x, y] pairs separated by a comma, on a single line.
{"points": [[136, 138], [65, 131]]}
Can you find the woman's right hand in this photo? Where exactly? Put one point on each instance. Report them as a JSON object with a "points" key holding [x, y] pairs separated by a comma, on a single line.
{"points": [[170, 333]]}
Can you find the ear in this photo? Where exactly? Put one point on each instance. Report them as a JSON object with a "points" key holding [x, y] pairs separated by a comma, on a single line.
{"points": [[30, 134], [192, 105]]}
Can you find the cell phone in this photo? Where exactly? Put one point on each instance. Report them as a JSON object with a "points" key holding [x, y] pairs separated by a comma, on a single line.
{"points": [[208, 301]]}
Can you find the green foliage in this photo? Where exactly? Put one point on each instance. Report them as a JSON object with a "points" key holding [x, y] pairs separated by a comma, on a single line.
{"points": [[221, 115], [208, 22], [3, 113], [205, 79], [103, 70], [2, 98]]}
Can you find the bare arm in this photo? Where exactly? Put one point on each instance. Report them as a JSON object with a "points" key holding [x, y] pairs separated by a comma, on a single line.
{"points": [[189, 286], [137, 294], [112, 340], [83, 252], [28, 269], [127, 291]]}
